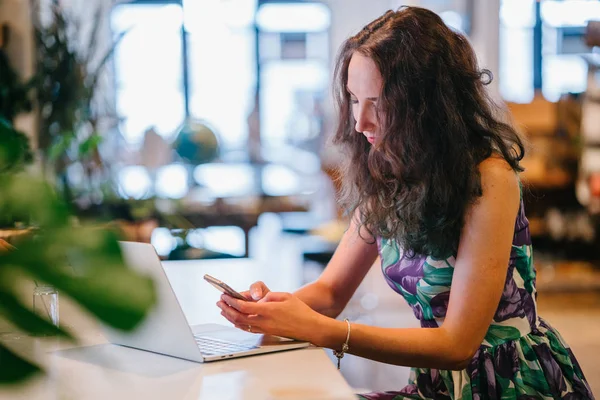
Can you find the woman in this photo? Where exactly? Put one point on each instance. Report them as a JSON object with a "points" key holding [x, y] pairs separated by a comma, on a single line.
{"points": [[431, 179]]}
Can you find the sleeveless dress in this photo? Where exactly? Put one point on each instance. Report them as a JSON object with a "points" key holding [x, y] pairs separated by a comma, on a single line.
{"points": [[522, 357]]}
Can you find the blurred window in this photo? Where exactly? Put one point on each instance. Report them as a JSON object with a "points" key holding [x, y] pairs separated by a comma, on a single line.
{"points": [[549, 60], [563, 27], [517, 20], [222, 65], [293, 60], [185, 58], [148, 69], [457, 14]]}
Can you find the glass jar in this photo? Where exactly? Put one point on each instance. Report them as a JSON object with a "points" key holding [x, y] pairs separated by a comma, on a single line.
{"points": [[45, 303]]}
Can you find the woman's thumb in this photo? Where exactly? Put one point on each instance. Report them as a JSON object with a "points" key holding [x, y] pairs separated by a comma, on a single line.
{"points": [[258, 290]]}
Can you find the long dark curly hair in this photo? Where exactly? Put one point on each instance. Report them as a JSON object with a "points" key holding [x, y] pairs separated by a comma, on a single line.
{"points": [[438, 124]]}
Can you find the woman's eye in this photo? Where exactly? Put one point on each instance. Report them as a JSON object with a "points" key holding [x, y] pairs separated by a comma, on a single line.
{"points": [[353, 101]]}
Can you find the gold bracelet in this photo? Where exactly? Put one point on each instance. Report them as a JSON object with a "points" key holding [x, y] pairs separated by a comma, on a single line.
{"points": [[340, 354]]}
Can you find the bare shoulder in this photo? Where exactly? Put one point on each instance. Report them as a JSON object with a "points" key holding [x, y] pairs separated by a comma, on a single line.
{"points": [[498, 179]]}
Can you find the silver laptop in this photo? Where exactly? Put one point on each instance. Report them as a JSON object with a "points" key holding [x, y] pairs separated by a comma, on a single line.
{"points": [[166, 331]]}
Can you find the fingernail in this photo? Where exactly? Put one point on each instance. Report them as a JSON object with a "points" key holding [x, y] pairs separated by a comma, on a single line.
{"points": [[256, 294]]}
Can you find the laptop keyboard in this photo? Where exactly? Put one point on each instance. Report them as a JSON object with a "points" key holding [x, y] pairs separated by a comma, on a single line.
{"points": [[211, 346]]}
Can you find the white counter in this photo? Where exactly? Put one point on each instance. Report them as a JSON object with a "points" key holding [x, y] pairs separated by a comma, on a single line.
{"points": [[95, 369]]}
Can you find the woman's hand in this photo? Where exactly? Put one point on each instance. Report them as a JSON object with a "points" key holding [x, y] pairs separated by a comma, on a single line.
{"points": [[281, 314], [257, 291]]}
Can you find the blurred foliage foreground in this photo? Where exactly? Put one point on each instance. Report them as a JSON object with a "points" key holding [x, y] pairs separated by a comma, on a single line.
{"points": [[101, 283]]}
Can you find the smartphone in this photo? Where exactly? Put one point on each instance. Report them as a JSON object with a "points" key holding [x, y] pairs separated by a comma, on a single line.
{"points": [[223, 287]]}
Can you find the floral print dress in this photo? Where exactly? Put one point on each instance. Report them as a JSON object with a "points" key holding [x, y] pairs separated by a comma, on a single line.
{"points": [[521, 357]]}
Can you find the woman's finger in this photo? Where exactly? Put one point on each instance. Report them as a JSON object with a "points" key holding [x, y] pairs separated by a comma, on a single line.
{"points": [[250, 328], [233, 315], [246, 307], [276, 296], [246, 294], [258, 290]]}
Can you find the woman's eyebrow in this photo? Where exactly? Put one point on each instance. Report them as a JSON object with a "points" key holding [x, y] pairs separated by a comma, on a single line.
{"points": [[368, 98]]}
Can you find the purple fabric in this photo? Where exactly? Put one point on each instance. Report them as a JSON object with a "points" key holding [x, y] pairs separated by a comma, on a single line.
{"points": [[499, 360], [407, 272]]}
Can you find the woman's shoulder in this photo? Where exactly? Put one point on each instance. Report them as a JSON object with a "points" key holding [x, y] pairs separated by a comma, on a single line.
{"points": [[498, 176], [495, 161], [497, 166]]}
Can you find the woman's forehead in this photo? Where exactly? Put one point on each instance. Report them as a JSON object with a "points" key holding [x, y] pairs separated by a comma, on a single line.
{"points": [[364, 78]]}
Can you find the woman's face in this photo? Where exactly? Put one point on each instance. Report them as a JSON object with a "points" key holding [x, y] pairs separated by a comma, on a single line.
{"points": [[364, 86]]}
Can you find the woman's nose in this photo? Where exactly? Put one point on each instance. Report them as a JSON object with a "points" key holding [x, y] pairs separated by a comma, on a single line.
{"points": [[364, 121]]}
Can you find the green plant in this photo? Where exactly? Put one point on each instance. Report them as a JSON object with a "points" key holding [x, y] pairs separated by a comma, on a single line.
{"points": [[15, 96], [68, 72], [103, 285], [15, 152]]}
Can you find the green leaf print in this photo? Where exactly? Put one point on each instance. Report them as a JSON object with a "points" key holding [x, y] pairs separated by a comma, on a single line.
{"points": [[425, 307], [431, 291], [524, 265], [424, 295], [531, 379], [410, 299], [528, 353], [507, 388], [560, 353], [535, 383], [527, 388], [466, 392], [556, 343], [508, 393], [389, 253], [498, 334], [437, 276]]}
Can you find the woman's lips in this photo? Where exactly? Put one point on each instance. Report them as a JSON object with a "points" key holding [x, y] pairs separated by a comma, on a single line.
{"points": [[371, 140]]}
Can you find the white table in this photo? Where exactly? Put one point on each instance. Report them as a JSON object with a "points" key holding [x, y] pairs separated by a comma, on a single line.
{"points": [[95, 369]]}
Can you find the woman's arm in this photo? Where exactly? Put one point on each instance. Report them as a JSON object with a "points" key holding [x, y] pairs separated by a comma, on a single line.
{"points": [[350, 263], [477, 284]]}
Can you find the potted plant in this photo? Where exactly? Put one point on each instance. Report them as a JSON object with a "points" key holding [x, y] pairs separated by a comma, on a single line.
{"points": [[106, 288], [73, 114]]}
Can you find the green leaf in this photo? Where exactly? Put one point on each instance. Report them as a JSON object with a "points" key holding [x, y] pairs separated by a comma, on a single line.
{"points": [[100, 282], [437, 276], [119, 298], [508, 392], [389, 253], [13, 368], [89, 145], [528, 352], [466, 391], [425, 304], [498, 334], [25, 195], [15, 152], [431, 291], [60, 147], [25, 319]]}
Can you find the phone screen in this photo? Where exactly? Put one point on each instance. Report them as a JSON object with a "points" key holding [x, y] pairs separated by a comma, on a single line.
{"points": [[223, 287]]}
